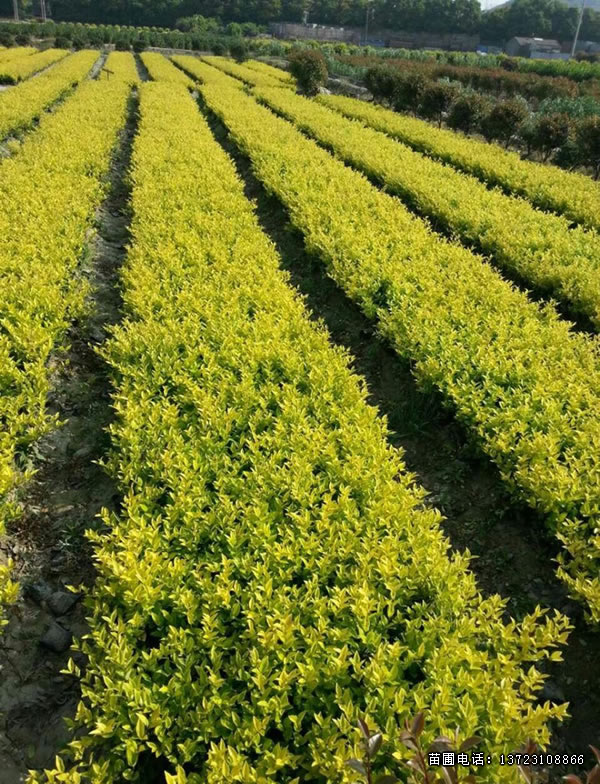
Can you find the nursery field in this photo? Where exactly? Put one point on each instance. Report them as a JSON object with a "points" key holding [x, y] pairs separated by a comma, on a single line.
{"points": [[300, 405]]}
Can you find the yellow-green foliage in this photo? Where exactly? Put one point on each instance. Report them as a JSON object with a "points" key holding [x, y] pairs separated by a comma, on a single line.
{"points": [[249, 76], [539, 247], [13, 71], [206, 74], [548, 187], [273, 573], [269, 70], [163, 70], [20, 106], [123, 66], [48, 195], [15, 53], [512, 370]]}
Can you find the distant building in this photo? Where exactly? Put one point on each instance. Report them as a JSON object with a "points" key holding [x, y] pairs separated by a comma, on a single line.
{"points": [[589, 47], [454, 42], [489, 49], [314, 32], [378, 37], [533, 47]]}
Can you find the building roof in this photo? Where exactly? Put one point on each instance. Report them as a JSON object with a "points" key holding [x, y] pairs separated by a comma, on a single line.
{"points": [[522, 41]]}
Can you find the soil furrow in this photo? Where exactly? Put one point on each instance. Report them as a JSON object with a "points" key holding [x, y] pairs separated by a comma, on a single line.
{"points": [[142, 70]]}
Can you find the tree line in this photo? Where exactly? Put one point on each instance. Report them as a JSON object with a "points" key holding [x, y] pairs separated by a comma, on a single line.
{"points": [[543, 18], [434, 15]]}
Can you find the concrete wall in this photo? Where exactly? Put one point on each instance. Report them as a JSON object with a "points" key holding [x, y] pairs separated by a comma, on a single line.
{"points": [[395, 38], [314, 32], [450, 41]]}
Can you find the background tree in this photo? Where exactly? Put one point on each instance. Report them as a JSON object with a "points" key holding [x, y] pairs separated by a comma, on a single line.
{"points": [[381, 81], [523, 17], [239, 50], [467, 111], [413, 15], [504, 120], [197, 24], [436, 100], [588, 143], [542, 18], [546, 133], [408, 91]]}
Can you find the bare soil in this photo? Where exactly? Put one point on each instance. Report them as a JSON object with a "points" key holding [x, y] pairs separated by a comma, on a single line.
{"points": [[64, 499]]}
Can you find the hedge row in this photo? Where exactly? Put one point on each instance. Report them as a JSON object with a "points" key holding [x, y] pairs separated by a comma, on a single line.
{"points": [[273, 574], [163, 70], [496, 81], [572, 69], [203, 72], [250, 76], [514, 373], [21, 106], [14, 71], [88, 35], [544, 251], [568, 193], [94, 35], [124, 67], [269, 70], [49, 192], [6, 55]]}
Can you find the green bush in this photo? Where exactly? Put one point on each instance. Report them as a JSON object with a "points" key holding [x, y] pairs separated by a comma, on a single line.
{"points": [[309, 68], [503, 121], [588, 143], [22, 39], [122, 44], [250, 29], [568, 156], [466, 112], [509, 64], [95, 37], [381, 81], [436, 99], [139, 45], [6, 39], [239, 50], [218, 48], [547, 133], [62, 42], [408, 90], [234, 30], [80, 42]]}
